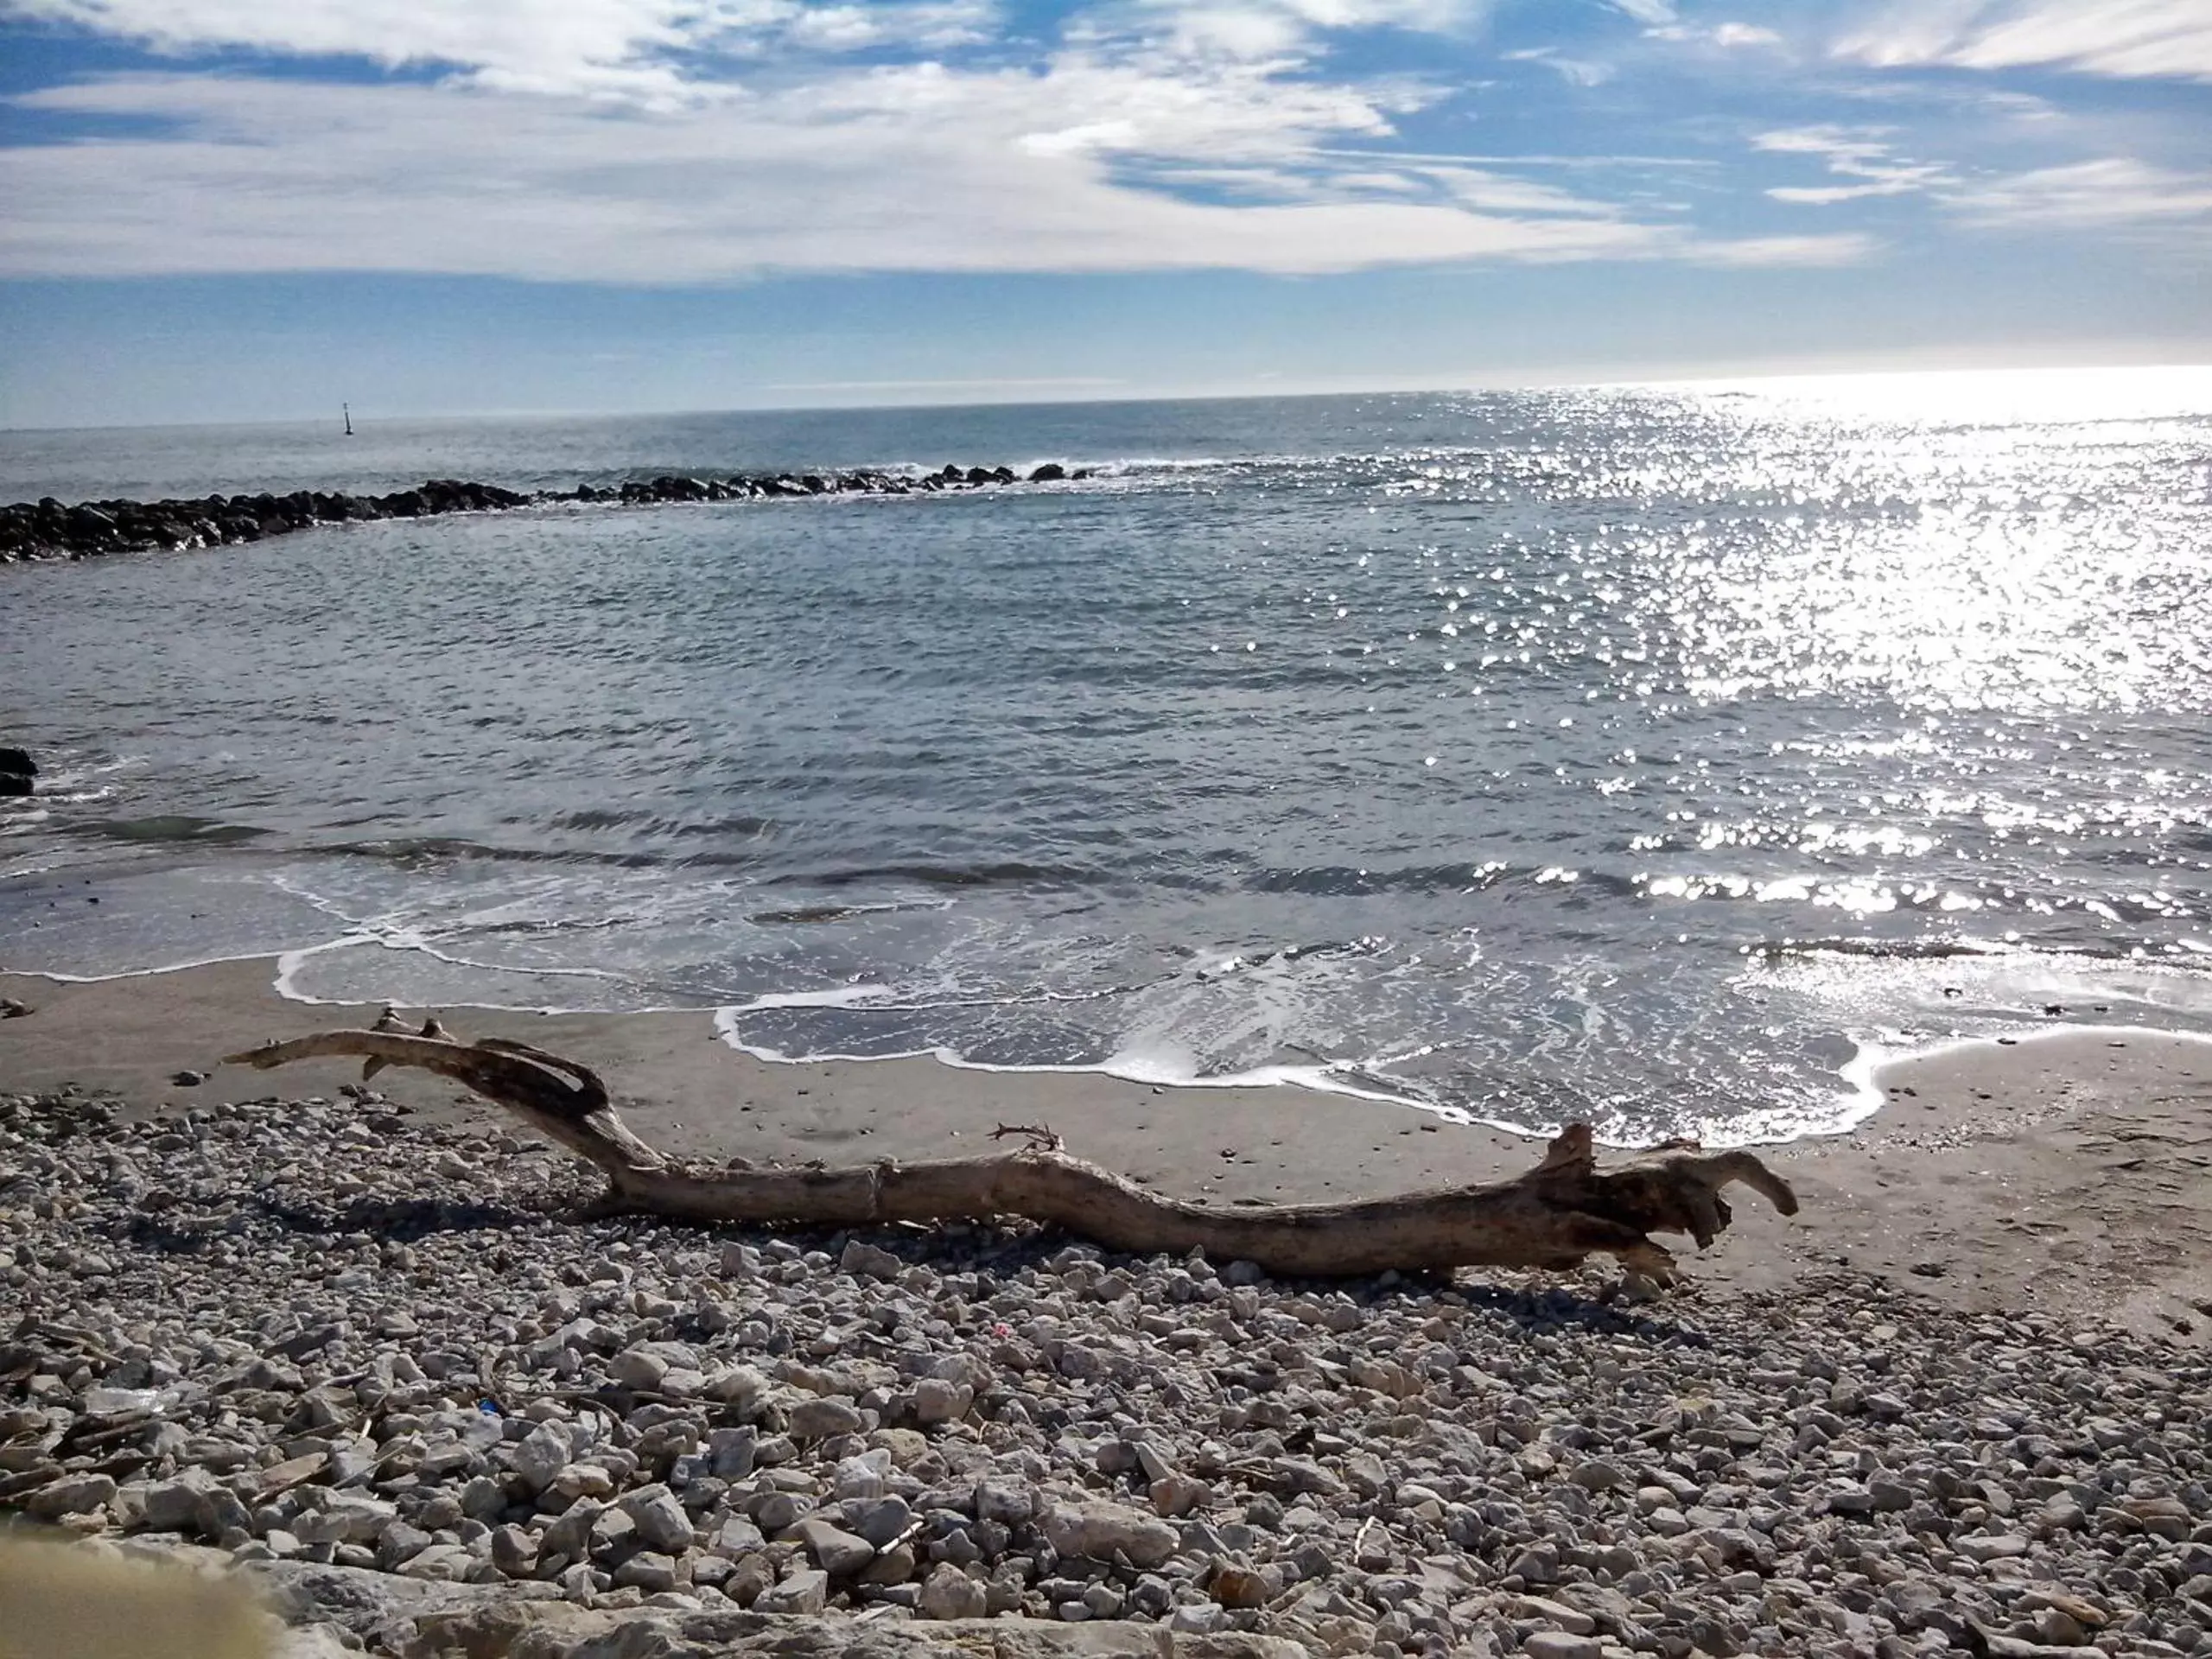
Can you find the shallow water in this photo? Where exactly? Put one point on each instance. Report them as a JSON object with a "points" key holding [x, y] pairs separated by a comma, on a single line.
{"points": [[1641, 754]]}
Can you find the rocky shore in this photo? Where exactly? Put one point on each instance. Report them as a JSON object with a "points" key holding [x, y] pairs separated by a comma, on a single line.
{"points": [[387, 1367], [48, 530]]}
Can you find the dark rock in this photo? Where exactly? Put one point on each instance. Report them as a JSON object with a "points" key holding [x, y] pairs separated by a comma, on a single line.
{"points": [[49, 530], [89, 524]]}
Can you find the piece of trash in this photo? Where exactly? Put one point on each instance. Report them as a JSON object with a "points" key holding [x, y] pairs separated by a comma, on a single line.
{"points": [[121, 1403]]}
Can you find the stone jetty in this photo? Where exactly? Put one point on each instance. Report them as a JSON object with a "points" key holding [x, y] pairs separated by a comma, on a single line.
{"points": [[49, 530]]}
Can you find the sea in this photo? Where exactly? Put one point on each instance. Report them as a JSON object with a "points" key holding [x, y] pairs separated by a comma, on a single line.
{"points": [[1663, 756]]}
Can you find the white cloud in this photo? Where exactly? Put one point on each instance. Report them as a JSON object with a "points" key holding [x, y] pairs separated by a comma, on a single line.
{"points": [[1260, 30], [1740, 35], [2113, 191], [1862, 155], [1839, 248], [705, 141], [1425, 17], [1252, 33], [913, 167], [1579, 72], [569, 44], [2148, 38], [644, 50], [928, 25], [1489, 192], [661, 51], [1662, 24]]}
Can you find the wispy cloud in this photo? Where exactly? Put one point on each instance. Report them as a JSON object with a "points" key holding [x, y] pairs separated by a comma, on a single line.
{"points": [[1862, 155], [1579, 72], [702, 141], [1728, 37], [1838, 248], [685, 142], [919, 167], [2111, 191], [2140, 38], [614, 46]]}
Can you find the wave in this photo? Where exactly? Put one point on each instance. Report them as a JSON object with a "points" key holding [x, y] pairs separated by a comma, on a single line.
{"points": [[812, 915], [428, 852], [417, 852], [164, 827], [1901, 950], [1004, 873]]}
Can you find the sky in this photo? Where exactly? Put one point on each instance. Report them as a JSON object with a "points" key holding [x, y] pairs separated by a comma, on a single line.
{"points": [[254, 209]]}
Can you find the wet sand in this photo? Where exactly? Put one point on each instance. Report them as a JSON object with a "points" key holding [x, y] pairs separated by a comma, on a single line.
{"points": [[2071, 1172]]}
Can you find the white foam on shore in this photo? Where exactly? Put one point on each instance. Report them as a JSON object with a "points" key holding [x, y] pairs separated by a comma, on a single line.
{"points": [[1863, 1096], [1877, 1058], [60, 978], [1128, 1068], [289, 963], [1856, 1096]]}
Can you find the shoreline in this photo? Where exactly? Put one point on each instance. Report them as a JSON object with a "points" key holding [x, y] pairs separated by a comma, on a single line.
{"points": [[2071, 1170]]}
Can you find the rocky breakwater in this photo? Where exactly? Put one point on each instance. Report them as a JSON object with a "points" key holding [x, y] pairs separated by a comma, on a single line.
{"points": [[386, 1369], [48, 530]]}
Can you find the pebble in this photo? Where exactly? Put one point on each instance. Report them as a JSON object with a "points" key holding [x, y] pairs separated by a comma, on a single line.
{"points": [[1102, 1531], [1560, 1644], [489, 1395], [837, 1552], [804, 1591], [948, 1592], [659, 1518]]}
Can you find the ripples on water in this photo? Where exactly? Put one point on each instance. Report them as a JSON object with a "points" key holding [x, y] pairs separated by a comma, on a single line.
{"points": [[1627, 752]]}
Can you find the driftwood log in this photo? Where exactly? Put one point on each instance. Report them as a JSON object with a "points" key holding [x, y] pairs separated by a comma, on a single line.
{"points": [[1554, 1216]]}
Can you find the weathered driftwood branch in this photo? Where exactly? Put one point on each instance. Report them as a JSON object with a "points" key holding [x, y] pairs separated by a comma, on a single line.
{"points": [[1560, 1212]]}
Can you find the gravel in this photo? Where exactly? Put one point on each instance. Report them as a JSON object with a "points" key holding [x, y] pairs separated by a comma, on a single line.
{"points": [[325, 1339]]}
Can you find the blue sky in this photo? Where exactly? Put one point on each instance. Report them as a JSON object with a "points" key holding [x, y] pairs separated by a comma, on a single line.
{"points": [[249, 209]]}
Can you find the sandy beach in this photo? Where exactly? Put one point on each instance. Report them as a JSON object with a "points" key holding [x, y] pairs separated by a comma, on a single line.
{"points": [[2067, 1172], [382, 1366]]}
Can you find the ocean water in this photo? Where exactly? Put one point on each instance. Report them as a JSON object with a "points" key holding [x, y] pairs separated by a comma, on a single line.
{"points": [[1653, 755]]}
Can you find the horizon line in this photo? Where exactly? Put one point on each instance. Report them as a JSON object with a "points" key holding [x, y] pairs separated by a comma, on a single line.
{"points": [[1871, 368]]}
